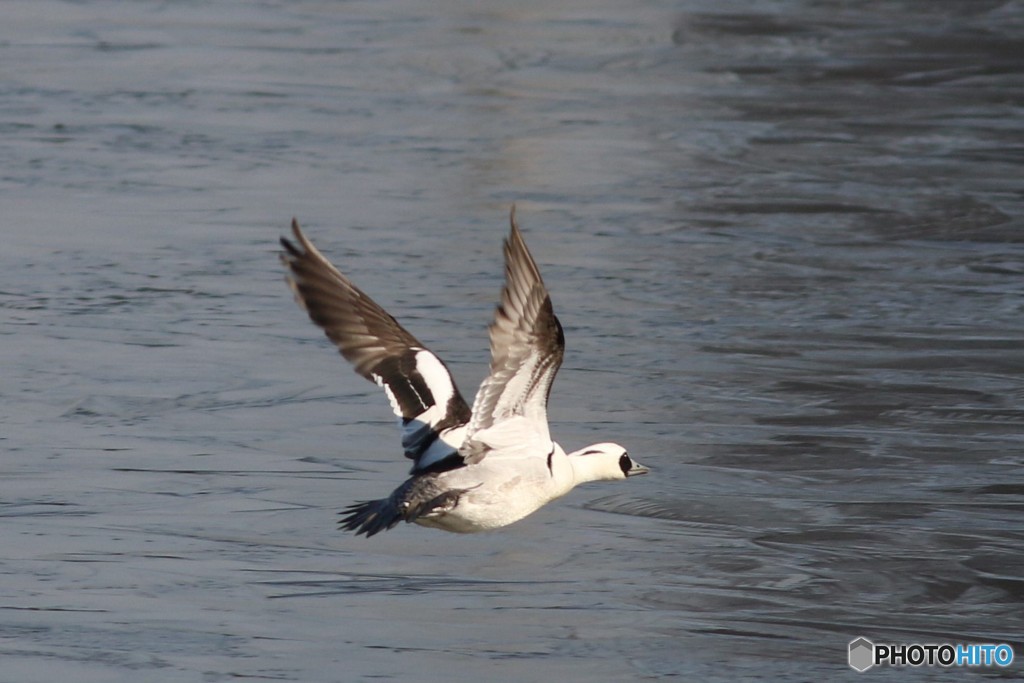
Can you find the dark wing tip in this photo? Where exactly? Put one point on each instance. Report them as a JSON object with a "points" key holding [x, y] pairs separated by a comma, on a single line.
{"points": [[297, 231], [517, 255], [515, 235], [300, 236], [290, 248]]}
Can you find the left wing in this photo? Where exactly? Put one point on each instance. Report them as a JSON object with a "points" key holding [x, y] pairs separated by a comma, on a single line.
{"points": [[420, 388]]}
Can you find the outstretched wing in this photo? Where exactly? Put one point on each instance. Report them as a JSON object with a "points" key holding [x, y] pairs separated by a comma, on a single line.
{"points": [[418, 384], [527, 345]]}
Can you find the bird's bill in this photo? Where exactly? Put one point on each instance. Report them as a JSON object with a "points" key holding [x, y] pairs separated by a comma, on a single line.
{"points": [[636, 469]]}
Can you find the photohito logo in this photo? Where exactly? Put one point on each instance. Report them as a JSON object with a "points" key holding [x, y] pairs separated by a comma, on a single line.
{"points": [[864, 654]]}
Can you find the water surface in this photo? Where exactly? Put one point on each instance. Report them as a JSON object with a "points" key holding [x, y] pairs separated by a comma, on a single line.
{"points": [[786, 243]]}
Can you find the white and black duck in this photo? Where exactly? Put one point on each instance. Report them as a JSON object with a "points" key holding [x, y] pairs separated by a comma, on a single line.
{"points": [[475, 468]]}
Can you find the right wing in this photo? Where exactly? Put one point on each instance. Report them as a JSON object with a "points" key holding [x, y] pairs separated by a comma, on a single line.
{"points": [[527, 345]]}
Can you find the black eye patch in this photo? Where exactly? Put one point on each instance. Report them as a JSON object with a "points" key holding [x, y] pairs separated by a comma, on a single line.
{"points": [[625, 464]]}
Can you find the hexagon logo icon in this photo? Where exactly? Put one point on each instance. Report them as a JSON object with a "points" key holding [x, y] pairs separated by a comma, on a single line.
{"points": [[862, 654]]}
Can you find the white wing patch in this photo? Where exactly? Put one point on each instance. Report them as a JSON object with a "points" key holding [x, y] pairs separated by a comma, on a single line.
{"points": [[437, 379], [429, 433], [379, 381]]}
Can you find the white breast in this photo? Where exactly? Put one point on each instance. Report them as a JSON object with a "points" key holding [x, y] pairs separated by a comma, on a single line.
{"points": [[502, 491]]}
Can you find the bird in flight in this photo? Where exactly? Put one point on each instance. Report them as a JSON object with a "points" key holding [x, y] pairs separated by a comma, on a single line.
{"points": [[474, 469]]}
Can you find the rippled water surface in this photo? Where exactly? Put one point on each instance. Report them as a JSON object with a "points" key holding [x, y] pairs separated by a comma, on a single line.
{"points": [[786, 240]]}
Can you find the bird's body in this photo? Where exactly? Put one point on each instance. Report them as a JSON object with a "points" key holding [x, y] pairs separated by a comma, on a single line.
{"points": [[474, 469]]}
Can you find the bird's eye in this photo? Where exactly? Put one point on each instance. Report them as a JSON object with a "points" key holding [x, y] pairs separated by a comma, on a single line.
{"points": [[625, 464]]}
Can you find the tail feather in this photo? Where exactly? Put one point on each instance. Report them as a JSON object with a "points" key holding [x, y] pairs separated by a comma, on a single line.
{"points": [[418, 497], [370, 517]]}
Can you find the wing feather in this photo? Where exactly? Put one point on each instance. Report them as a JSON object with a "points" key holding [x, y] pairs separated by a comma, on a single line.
{"points": [[417, 383], [527, 345]]}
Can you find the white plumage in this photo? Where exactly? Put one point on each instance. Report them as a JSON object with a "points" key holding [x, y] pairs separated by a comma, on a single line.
{"points": [[473, 469]]}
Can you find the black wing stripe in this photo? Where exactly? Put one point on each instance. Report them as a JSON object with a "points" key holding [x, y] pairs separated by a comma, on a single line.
{"points": [[406, 384]]}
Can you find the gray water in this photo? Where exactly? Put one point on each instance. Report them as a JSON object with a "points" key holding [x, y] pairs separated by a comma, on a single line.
{"points": [[786, 241]]}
